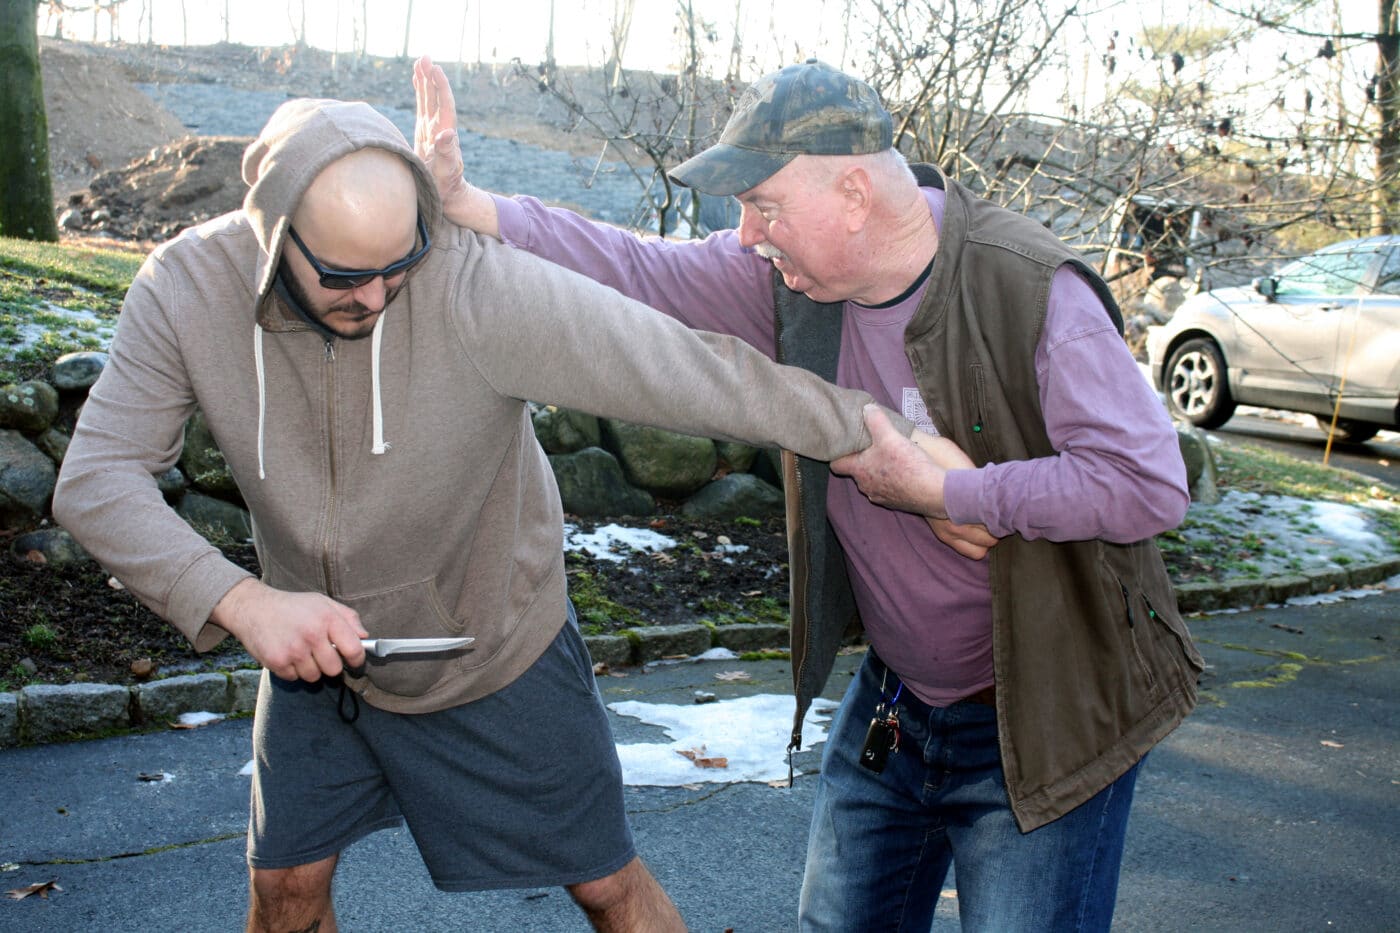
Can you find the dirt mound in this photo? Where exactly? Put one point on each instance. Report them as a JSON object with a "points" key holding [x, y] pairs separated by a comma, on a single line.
{"points": [[173, 187], [98, 120]]}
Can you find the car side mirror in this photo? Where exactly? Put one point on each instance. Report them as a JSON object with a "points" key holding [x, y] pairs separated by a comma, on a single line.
{"points": [[1267, 286]]}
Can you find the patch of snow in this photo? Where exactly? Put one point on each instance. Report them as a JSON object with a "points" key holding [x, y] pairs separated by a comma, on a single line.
{"points": [[717, 654], [193, 720], [751, 732], [247, 770], [32, 333], [1315, 533], [615, 542]]}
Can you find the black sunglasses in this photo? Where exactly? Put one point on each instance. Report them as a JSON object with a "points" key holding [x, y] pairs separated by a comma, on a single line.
{"points": [[353, 278]]}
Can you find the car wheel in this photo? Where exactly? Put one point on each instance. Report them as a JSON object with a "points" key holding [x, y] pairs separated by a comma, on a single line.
{"points": [[1196, 385], [1348, 431]]}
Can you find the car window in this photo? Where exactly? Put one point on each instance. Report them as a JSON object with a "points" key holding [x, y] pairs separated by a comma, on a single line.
{"points": [[1388, 282], [1330, 274]]}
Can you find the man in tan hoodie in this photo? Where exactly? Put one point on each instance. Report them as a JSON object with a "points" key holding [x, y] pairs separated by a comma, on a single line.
{"points": [[364, 368]]}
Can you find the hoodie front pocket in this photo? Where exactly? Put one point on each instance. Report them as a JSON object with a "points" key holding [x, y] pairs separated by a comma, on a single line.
{"points": [[412, 610]]}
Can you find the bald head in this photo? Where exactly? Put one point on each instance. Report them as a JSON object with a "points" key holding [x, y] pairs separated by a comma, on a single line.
{"points": [[360, 211]]}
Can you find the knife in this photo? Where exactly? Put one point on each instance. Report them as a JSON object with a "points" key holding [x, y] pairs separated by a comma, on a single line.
{"points": [[384, 647]]}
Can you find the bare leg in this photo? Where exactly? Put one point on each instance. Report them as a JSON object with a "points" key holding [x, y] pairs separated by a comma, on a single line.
{"points": [[627, 901], [292, 900]]}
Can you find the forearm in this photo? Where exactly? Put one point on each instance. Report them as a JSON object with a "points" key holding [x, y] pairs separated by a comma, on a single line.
{"points": [[1117, 474], [710, 284]]}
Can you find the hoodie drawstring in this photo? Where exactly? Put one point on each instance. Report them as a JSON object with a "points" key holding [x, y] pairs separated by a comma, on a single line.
{"points": [[378, 409], [262, 393], [380, 445]]}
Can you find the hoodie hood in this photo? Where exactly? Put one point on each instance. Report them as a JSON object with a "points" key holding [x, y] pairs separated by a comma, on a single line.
{"points": [[301, 138]]}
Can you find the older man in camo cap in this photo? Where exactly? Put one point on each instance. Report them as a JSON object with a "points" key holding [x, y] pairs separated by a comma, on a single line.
{"points": [[1025, 647]]}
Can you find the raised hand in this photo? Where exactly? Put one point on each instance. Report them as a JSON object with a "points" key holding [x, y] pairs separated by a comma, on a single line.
{"points": [[435, 140]]}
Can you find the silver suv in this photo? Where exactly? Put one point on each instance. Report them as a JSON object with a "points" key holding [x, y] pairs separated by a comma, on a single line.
{"points": [[1324, 327]]}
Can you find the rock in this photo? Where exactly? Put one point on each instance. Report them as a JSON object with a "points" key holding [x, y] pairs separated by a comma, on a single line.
{"points": [[214, 517], [74, 371], [612, 650], [564, 431], [28, 406], [171, 483], [243, 690], [757, 636], [736, 495], [738, 457], [663, 463], [27, 479], [202, 460], [1200, 464], [143, 668], [71, 219], [55, 545], [28, 666], [665, 641], [591, 484], [164, 700], [9, 720], [53, 711], [54, 443]]}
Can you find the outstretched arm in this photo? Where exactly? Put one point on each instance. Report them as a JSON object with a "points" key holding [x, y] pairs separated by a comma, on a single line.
{"points": [[435, 140]]}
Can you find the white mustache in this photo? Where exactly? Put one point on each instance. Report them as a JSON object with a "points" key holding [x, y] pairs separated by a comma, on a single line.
{"points": [[769, 251]]}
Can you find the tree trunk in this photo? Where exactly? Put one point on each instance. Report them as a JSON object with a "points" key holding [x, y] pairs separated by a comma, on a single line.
{"points": [[26, 189], [1387, 192], [407, 24]]}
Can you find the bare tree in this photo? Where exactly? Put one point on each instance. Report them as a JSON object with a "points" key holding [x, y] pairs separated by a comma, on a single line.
{"points": [[621, 30], [407, 26], [650, 122], [26, 188]]}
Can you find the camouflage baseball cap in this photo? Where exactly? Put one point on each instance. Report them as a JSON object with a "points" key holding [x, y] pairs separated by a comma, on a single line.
{"points": [[806, 109]]}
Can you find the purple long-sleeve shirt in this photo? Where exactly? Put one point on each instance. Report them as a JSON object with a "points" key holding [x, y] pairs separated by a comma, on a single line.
{"points": [[1117, 473]]}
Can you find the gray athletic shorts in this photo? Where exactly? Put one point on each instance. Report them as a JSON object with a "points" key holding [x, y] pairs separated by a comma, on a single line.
{"points": [[521, 788]]}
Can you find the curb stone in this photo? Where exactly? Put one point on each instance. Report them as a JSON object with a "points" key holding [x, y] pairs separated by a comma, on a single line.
{"points": [[48, 712]]}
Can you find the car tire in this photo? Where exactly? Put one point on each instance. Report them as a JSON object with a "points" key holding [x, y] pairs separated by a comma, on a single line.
{"points": [[1196, 386], [1347, 430]]}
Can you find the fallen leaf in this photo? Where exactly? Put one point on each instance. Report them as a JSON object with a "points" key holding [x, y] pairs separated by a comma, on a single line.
{"points": [[41, 888], [723, 541], [699, 536], [151, 776], [142, 668], [36, 557], [733, 675], [657, 523], [698, 756], [115, 584], [661, 557], [600, 668], [1328, 743], [752, 593]]}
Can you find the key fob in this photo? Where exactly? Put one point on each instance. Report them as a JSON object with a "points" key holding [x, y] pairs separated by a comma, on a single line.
{"points": [[879, 741]]}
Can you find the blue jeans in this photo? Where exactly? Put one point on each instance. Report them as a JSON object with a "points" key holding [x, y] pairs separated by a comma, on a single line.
{"points": [[881, 844]]}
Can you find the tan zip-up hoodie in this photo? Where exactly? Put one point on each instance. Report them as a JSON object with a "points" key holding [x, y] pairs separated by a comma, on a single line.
{"points": [[400, 474]]}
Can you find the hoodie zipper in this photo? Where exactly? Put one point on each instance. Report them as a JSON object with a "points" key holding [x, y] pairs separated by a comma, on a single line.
{"points": [[331, 494]]}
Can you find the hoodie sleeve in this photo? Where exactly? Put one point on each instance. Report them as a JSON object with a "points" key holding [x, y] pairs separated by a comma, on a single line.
{"points": [[592, 349], [130, 431]]}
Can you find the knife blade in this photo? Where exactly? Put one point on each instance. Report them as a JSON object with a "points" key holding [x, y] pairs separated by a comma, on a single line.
{"points": [[384, 647]]}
